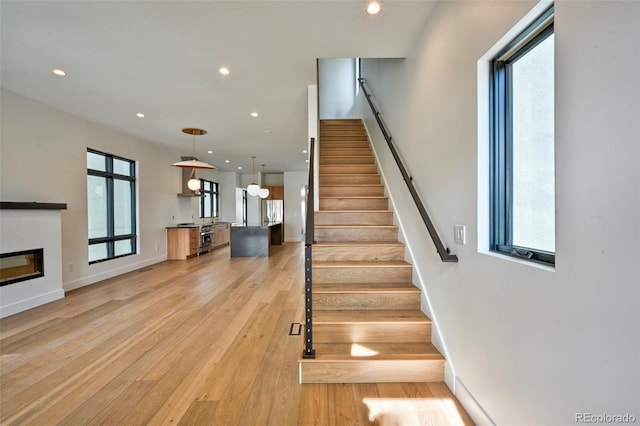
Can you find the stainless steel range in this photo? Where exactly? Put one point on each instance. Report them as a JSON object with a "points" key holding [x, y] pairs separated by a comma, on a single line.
{"points": [[206, 238]]}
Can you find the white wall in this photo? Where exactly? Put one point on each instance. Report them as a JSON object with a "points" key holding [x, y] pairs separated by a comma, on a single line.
{"points": [[532, 346], [43, 158], [337, 82], [229, 181], [293, 183]]}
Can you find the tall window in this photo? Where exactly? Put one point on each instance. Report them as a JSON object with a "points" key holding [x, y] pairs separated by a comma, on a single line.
{"points": [[523, 169], [210, 199], [111, 206]]}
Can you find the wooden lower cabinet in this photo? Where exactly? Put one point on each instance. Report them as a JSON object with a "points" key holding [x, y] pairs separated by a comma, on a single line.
{"points": [[182, 243], [221, 234]]}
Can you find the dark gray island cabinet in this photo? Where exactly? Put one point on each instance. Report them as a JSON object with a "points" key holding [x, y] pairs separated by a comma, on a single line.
{"points": [[255, 241]]}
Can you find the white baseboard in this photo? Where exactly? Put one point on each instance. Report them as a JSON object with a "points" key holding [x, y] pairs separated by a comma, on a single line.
{"points": [[82, 282], [30, 303], [471, 405]]}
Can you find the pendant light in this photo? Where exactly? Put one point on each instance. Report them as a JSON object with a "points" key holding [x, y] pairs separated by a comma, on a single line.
{"points": [[194, 163], [264, 192], [253, 188]]}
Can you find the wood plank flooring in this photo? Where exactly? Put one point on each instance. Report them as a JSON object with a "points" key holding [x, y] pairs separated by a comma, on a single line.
{"points": [[197, 342]]}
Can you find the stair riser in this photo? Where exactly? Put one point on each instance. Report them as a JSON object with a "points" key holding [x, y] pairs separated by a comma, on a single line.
{"points": [[365, 301], [345, 152], [345, 132], [349, 169], [346, 191], [341, 142], [347, 333], [392, 371], [376, 253], [356, 234], [354, 218], [349, 179], [362, 159], [354, 204], [346, 274]]}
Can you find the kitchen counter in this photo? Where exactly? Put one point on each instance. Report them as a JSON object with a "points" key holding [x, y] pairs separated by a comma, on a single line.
{"points": [[255, 241]]}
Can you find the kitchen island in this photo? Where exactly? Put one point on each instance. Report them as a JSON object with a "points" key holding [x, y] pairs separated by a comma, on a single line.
{"points": [[255, 241]]}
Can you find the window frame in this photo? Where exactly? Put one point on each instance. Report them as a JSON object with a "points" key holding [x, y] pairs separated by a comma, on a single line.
{"points": [[110, 176], [501, 145], [215, 199]]}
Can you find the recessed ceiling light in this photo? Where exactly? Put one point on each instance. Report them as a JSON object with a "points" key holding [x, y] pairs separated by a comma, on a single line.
{"points": [[306, 161], [59, 72], [227, 161], [373, 8], [209, 152], [304, 151], [267, 131], [140, 115], [239, 167], [254, 114], [224, 71]]}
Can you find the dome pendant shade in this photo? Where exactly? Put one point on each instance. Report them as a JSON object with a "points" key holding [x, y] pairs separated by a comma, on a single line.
{"points": [[194, 164], [253, 189], [263, 193], [194, 184]]}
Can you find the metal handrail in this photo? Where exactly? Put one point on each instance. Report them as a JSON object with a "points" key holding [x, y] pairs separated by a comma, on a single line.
{"points": [[445, 253], [309, 352]]}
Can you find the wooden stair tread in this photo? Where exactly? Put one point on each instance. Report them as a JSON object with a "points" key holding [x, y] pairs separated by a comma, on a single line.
{"points": [[354, 185], [322, 288], [356, 197], [355, 211], [362, 264], [413, 316], [360, 351], [357, 243], [355, 226]]}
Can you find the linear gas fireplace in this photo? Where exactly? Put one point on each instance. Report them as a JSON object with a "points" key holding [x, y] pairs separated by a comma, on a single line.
{"points": [[21, 266]]}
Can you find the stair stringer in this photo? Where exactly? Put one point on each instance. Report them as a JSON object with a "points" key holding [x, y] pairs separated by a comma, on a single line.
{"points": [[419, 270]]}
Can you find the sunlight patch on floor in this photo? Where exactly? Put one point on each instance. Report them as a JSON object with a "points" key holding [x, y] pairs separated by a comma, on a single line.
{"points": [[359, 350], [413, 411]]}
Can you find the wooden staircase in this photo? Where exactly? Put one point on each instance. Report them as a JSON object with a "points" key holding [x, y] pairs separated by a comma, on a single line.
{"points": [[367, 322]]}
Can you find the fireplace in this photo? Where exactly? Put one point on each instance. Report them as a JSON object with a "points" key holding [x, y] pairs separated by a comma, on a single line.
{"points": [[21, 266], [28, 278]]}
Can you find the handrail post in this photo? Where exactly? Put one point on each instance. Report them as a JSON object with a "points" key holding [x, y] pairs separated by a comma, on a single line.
{"points": [[309, 352], [444, 253]]}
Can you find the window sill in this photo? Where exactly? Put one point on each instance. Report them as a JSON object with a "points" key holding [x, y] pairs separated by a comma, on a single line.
{"points": [[519, 261]]}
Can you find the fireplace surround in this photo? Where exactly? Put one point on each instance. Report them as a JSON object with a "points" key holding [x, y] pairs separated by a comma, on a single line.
{"points": [[29, 227]]}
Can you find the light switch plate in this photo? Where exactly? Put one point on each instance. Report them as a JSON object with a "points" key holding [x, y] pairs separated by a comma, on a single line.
{"points": [[460, 234]]}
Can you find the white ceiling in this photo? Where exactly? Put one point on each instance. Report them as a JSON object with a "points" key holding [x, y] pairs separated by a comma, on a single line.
{"points": [[161, 58]]}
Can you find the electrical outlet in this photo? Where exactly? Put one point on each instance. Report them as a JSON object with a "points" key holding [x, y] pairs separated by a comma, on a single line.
{"points": [[460, 234]]}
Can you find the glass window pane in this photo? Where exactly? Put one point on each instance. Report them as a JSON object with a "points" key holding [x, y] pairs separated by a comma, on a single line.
{"points": [[96, 162], [97, 206], [98, 252], [207, 205], [533, 208], [123, 247], [122, 167], [122, 219]]}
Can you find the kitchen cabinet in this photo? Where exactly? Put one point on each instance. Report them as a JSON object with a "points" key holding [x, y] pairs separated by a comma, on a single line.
{"points": [[275, 192], [221, 234], [182, 242]]}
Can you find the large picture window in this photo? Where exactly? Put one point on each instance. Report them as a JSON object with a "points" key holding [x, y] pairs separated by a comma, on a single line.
{"points": [[111, 206], [209, 199], [523, 129]]}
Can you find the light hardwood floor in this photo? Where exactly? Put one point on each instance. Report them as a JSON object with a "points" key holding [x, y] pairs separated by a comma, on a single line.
{"points": [[197, 342]]}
